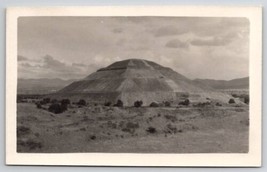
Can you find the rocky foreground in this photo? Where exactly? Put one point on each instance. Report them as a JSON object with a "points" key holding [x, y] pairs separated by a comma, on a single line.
{"points": [[145, 129]]}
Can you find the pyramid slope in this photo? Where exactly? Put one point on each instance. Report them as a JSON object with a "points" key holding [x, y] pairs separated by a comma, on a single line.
{"points": [[136, 79]]}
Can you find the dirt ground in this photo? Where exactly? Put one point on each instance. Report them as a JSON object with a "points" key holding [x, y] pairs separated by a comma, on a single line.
{"points": [[133, 130]]}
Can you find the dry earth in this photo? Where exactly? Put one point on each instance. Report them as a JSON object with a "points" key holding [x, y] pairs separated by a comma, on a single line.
{"points": [[113, 129]]}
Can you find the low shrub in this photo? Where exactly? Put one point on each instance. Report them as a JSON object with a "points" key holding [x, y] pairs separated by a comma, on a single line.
{"points": [[38, 105], [154, 104], [186, 102], [93, 137], [235, 95], [151, 130], [246, 99], [42, 102], [218, 104], [119, 103], [231, 101], [81, 102], [64, 107], [65, 101], [46, 100], [54, 101], [167, 104], [243, 97], [203, 104], [57, 108], [138, 103], [107, 104]]}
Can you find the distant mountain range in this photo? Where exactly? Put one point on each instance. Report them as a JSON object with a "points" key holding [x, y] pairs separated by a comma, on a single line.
{"points": [[46, 85], [240, 83], [41, 86]]}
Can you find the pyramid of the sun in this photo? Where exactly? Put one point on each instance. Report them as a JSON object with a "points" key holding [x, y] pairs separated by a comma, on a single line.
{"points": [[136, 79]]}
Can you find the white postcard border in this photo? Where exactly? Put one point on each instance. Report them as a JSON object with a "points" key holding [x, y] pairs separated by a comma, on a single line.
{"points": [[253, 158]]}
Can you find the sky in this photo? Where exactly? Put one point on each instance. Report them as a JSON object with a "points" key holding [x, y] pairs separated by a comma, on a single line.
{"points": [[74, 47]]}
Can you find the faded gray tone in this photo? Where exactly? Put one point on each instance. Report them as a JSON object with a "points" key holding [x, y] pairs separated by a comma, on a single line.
{"points": [[215, 48]]}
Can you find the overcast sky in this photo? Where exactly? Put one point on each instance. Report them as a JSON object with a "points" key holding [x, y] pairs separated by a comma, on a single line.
{"points": [[74, 47]]}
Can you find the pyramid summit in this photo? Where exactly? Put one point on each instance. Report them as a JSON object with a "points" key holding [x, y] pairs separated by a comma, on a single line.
{"points": [[130, 63], [135, 79]]}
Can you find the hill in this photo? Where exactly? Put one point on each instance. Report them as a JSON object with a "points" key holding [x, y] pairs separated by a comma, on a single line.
{"points": [[240, 83], [41, 86]]}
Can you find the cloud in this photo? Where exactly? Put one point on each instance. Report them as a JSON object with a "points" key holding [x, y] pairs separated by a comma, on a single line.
{"points": [[78, 64], [215, 41], [134, 20], [22, 58], [53, 68], [26, 65], [117, 30], [50, 62], [169, 31], [176, 43], [81, 45]]}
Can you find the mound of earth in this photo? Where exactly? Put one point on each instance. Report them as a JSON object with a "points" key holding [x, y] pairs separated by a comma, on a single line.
{"points": [[137, 79]]}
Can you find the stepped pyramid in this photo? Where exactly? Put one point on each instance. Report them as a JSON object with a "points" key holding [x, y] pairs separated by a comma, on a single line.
{"points": [[137, 79]]}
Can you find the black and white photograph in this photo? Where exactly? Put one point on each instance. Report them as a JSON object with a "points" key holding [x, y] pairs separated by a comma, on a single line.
{"points": [[133, 84]]}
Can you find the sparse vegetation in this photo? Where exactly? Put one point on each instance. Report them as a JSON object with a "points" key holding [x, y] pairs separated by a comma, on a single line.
{"points": [[171, 117], [30, 144], [185, 95], [204, 104], [99, 128], [22, 130], [110, 124], [171, 129], [29, 98], [126, 130], [130, 127]]}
